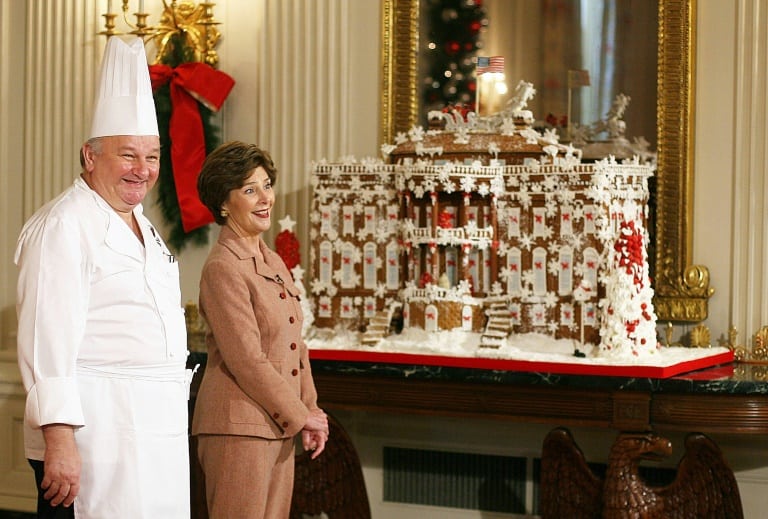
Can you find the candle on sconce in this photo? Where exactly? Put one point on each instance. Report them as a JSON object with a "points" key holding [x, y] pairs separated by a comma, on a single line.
{"points": [[141, 6], [109, 6]]}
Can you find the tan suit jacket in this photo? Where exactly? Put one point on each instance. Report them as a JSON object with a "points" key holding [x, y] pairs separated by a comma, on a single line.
{"points": [[257, 381]]}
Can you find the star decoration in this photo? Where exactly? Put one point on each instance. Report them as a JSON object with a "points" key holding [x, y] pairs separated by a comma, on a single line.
{"points": [[287, 223]]}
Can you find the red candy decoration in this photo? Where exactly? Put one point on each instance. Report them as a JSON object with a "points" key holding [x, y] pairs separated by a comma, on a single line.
{"points": [[287, 247]]}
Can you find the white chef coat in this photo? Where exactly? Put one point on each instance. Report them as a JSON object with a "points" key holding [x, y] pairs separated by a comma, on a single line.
{"points": [[102, 347]]}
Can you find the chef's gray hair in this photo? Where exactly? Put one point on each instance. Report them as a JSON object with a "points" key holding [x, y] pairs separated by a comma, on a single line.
{"points": [[95, 144]]}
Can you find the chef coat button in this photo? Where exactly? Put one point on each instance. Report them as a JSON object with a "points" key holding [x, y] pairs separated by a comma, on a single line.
{"points": [[294, 372], [285, 425], [282, 295], [291, 319], [293, 345], [276, 416]]}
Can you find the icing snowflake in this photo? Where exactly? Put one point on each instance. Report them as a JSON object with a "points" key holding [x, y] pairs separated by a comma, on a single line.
{"points": [[551, 207], [553, 248], [550, 183], [553, 266], [575, 240], [383, 232], [467, 183], [355, 184], [464, 287], [528, 277], [416, 133], [508, 126], [461, 136], [552, 326], [317, 287], [370, 164], [381, 290], [386, 149], [524, 198], [444, 175], [567, 196], [526, 241], [531, 136], [497, 185]]}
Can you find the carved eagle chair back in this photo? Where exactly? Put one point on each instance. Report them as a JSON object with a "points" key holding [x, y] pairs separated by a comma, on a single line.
{"points": [[704, 486]]}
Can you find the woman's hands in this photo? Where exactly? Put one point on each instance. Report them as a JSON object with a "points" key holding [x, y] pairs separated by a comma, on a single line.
{"points": [[315, 433]]}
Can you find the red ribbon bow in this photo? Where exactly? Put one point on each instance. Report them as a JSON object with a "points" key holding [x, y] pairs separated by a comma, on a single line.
{"points": [[190, 83]]}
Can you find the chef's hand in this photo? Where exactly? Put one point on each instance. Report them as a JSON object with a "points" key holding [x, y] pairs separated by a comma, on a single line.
{"points": [[61, 477]]}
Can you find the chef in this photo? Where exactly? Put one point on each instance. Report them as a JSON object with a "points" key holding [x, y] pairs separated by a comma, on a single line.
{"points": [[102, 337]]}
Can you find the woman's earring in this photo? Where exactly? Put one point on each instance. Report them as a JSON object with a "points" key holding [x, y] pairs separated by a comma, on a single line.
{"points": [[224, 213]]}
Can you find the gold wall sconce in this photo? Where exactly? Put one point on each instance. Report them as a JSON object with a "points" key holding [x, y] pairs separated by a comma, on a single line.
{"points": [[191, 20]]}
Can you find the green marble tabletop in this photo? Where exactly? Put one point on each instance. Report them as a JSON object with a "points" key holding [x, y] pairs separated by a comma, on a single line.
{"points": [[732, 378]]}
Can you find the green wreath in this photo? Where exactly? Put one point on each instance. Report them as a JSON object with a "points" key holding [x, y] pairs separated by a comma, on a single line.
{"points": [[176, 53]]}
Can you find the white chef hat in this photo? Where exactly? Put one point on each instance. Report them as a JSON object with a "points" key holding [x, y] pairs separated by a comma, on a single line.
{"points": [[124, 104]]}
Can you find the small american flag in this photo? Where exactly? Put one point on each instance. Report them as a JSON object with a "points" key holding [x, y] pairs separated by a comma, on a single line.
{"points": [[487, 64], [578, 78]]}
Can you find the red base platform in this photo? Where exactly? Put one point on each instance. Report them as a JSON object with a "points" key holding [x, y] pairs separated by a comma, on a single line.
{"points": [[564, 368]]}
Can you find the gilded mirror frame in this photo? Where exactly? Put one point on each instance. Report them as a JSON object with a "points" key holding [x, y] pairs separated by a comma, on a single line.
{"points": [[681, 290]]}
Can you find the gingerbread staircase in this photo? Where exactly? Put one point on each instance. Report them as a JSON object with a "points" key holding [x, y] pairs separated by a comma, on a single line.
{"points": [[498, 327], [378, 325]]}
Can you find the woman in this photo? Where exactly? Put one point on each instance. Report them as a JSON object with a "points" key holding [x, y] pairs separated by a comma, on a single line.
{"points": [[257, 392]]}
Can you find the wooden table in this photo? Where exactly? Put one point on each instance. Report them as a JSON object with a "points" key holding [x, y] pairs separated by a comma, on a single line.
{"points": [[734, 396], [726, 399]]}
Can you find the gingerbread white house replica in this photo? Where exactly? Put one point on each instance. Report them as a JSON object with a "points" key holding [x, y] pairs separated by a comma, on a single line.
{"points": [[493, 232]]}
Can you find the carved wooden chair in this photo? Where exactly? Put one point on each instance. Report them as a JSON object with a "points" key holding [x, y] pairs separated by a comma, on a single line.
{"points": [[703, 487], [333, 483]]}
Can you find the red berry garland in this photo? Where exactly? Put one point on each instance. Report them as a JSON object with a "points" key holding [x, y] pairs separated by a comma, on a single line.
{"points": [[629, 249]]}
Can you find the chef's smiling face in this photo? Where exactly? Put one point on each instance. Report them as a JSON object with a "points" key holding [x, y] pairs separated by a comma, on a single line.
{"points": [[122, 168], [250, 206]]}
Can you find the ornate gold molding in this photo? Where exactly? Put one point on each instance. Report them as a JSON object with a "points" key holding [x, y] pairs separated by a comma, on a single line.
{"points": [[757, 352], [682, 289], [399, 48]]}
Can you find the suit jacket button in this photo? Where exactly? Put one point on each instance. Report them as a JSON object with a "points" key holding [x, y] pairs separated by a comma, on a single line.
{"points": [[293, 345], [276, 416], [291, 319], [282, 295], [285, 425], [294, 372]]}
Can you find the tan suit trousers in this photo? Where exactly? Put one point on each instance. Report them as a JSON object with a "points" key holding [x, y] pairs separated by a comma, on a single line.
{"points": [[247, 477]]}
